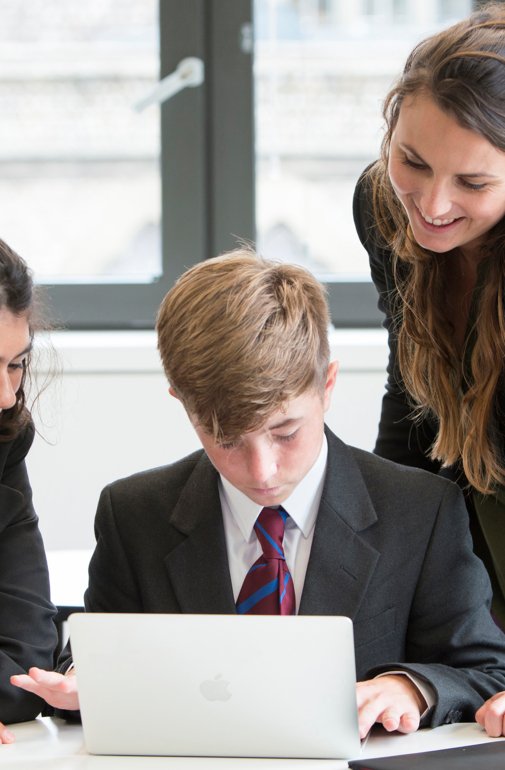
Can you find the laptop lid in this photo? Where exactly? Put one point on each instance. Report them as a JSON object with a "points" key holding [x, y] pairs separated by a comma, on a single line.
{"points": [[216, 685]]}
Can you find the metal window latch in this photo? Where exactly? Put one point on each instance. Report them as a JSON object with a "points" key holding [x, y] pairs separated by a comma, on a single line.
{"points": [[190, 72]]}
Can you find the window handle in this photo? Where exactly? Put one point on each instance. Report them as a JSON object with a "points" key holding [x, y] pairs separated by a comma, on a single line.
{"points": [[189, 72]]}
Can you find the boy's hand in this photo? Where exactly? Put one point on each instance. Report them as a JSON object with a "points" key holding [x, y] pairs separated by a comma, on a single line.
{"points": [[393, 700]]}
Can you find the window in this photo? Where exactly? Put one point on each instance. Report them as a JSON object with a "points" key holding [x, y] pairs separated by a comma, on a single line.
{"points": [[320, 79], [80, 184], [81, 190], [109, 205]]}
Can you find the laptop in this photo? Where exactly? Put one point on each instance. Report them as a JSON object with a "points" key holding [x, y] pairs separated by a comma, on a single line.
{"points": [[216, 685]]}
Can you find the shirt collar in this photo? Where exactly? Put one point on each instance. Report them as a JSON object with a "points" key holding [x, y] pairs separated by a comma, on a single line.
{"points": [[302, 505]]}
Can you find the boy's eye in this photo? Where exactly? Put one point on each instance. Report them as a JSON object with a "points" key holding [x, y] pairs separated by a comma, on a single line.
{"points": [[287, 437], [228, 444]]}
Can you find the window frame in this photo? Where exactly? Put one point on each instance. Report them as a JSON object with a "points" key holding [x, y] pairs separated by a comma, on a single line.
{"points": [[203, 170], [207, 173]]}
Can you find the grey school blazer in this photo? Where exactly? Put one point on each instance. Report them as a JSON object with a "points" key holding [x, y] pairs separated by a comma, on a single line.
{"points": [[391, 550]]}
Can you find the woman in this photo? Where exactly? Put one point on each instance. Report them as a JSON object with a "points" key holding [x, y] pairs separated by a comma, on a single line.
{"points": [[27, 630], [431, 214]]}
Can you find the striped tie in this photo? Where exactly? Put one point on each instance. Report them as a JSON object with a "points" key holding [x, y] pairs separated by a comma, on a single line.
{"points": [[268, 586]]}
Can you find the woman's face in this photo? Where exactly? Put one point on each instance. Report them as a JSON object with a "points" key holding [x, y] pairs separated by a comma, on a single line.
{"points": [[15, 344], [450, 180]]}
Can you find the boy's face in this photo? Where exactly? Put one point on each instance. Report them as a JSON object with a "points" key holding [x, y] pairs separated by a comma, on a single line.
{"points": [[268, 463]]}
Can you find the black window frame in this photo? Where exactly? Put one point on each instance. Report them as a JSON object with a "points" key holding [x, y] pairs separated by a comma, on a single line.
{"points": [[207, 173], [199, 127]]}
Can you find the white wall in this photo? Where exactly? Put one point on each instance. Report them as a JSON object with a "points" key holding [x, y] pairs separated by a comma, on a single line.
{"points": [[110, 414]]}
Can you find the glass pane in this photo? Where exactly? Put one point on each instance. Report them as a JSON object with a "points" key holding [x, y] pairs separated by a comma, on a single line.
{"points": [[322, 69], [79, 176]]}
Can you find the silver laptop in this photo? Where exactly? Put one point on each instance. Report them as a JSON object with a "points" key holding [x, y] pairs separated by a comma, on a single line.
{"points": [[216, 685]]}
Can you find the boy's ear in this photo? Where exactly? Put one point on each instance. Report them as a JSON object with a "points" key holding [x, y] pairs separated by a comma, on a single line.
{"points": [[331, 377], [172, 392], [333, 368]]}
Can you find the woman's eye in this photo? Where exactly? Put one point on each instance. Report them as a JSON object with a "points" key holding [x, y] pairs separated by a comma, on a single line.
{"points": [[18, 365], [414, 163], [472, 185]]}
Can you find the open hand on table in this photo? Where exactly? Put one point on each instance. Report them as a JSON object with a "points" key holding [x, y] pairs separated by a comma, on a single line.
{"points": [[58, 690]]}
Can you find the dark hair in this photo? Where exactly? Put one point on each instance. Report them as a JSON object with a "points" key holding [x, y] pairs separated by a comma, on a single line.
{"points": [[462, 69], [19, 296]]}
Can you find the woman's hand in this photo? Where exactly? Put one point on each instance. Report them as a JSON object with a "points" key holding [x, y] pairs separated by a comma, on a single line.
{"points": [[5, 734], [59, 690]]}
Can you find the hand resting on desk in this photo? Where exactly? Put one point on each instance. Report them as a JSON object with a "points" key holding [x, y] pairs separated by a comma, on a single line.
{"points": [[5, 734], [393, 701], [491, 716], [58, 690]]}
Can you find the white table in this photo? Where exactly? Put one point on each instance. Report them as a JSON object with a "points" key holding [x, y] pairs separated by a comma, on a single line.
{"points": [[52, 744]]}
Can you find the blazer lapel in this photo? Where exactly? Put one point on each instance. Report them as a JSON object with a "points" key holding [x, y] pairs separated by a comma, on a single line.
{"points": [[198, 566], [341, 562]]}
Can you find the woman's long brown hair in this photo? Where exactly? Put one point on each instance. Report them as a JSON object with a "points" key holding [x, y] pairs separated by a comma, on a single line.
{"points": [[463, 70]]}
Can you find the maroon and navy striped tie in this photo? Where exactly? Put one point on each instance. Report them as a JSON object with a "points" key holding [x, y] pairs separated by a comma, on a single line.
{"points": [[268, 586]]}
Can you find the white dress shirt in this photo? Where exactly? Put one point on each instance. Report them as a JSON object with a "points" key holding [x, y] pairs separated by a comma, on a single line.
{"points": [[240, 514]]}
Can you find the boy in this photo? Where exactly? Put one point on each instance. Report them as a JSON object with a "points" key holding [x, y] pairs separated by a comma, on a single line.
{"points": [[276, 514]]}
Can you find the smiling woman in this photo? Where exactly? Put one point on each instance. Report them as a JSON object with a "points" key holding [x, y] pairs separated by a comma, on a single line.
{"points": [[27, 631], [431, 214], [450, 180]]}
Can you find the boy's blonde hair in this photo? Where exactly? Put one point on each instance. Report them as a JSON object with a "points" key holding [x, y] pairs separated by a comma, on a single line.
{"points": [[239, 336]]}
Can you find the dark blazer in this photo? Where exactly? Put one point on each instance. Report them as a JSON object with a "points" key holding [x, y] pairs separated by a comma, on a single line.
{"points": [[391, 550], [408, 441], [27, 633]]}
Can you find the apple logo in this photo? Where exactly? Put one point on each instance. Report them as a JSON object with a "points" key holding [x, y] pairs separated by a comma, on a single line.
{"points": [[215, 689]]}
